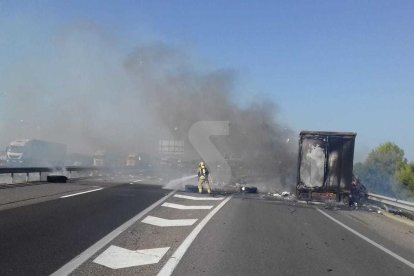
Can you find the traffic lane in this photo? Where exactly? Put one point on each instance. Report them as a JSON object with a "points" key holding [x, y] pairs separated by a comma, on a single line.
{"points": [[141, 236], [274, 238], [21, 194], [39, 239], [393, 235], [32, 193]]}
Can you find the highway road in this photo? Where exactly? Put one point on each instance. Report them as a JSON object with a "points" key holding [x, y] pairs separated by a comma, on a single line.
{"points": [[115, 228], [258, 237], [39, 238]]}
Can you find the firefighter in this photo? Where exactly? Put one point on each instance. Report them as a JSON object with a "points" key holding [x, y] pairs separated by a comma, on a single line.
{"points": [[203, 177]]}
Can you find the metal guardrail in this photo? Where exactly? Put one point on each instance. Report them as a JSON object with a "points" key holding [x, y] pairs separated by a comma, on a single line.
{"points": [[11, 170], [28, 170], [402, 204]]}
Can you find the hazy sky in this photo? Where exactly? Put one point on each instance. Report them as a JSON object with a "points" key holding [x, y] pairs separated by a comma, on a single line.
{"points": [[329, 65]]}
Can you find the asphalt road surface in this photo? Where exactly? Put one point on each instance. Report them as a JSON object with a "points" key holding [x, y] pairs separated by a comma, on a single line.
{"points": [[37, 239], [145, 230], [257, 237]]}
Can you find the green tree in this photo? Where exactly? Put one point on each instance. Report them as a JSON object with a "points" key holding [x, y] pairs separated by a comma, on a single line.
{"points": [[405, 176], [378, 172]]}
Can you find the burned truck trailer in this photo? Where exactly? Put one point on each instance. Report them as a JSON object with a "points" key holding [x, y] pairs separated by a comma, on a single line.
{"points": [[325, 165]]}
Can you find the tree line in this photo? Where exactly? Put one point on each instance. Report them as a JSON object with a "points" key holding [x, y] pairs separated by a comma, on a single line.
{"points": [[386, 171]]}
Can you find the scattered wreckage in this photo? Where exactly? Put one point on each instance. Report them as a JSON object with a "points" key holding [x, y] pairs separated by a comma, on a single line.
{"points": [[228, 189], [240, 186]]}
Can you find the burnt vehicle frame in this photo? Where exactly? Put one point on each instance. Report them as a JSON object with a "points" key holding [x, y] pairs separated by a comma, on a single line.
{"points": [[325, 165]]}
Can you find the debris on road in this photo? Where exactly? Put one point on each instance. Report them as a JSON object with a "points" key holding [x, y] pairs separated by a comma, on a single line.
{"points": [[215, 191], [402, 213], [285, 194], [375, 209], [248, 189], [280, 196], [57, 179], [191, 188]]}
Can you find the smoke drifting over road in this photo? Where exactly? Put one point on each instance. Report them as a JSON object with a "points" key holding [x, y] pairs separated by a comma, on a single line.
{"points": [[88, 93]]}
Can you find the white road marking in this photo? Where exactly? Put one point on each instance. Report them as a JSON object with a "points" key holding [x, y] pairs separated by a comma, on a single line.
{"points": [[85, 255], [138, 180], [199, 198], [117, 257], [186, 207], [176, 257], [377, 245], [168, 222], [81, 193]]}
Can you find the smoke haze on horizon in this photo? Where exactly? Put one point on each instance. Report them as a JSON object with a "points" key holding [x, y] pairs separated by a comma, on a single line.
{"points": [[90, 94]]}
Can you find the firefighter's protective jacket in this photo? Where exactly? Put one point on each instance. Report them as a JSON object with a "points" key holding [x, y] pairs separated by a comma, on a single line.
{"points": [[202, 171]]}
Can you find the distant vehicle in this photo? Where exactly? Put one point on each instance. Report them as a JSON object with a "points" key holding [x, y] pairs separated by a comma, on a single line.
{"points": [[3, 159], [35, 153], [132, 160], [108, 159], [99, 158], [325, 165], [77, 159]]}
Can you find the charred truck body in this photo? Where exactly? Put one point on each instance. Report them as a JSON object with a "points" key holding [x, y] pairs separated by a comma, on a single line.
{"points": [[325, 165]]}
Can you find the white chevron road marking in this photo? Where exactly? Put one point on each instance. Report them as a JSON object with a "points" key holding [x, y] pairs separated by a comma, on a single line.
{"points": [[186, 207], [117, 257], [198, 198], [168, 222]]}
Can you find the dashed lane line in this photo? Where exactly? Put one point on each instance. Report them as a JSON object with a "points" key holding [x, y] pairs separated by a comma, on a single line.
{"points": [[81, 193]]}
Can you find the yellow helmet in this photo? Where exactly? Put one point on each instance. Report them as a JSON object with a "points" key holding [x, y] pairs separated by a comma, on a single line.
{"points": [[201, 164]]}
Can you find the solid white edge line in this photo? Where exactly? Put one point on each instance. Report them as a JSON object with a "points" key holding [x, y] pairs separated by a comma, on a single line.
{"points": [[81, 193], [85, 255], [377, 245], [176, 257]]}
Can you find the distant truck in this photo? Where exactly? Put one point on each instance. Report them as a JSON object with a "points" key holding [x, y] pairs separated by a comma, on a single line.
{"points": [[3, 159], [104, 158], [77, 159], [133, 160], [325, 165], [99, 158], [35, 153]]}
